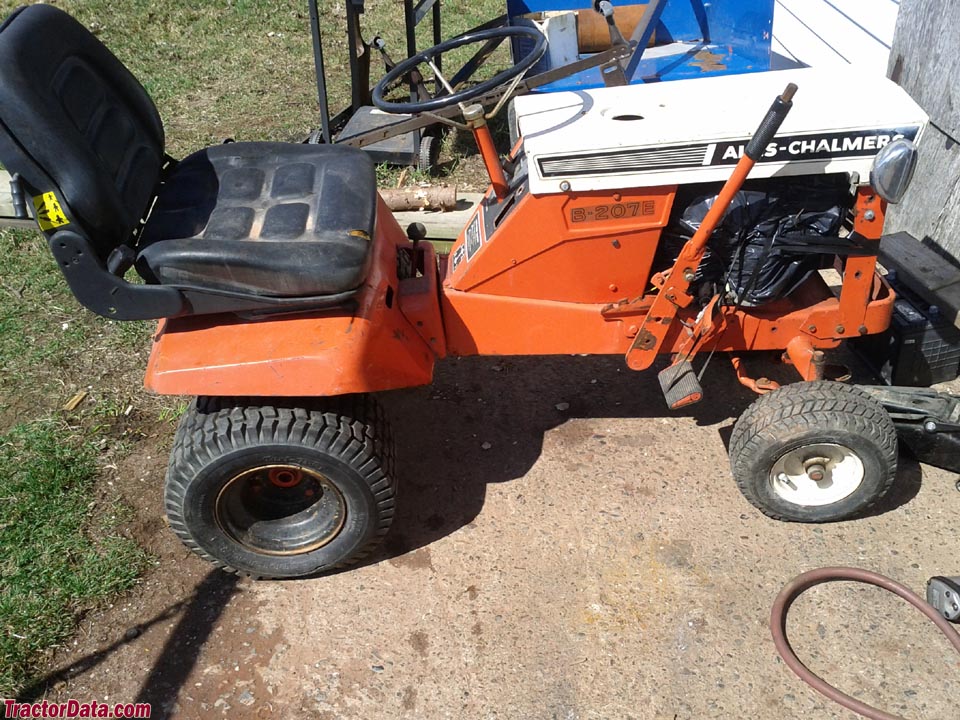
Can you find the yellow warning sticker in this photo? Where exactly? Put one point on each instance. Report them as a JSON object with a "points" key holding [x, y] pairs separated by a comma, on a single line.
{"points": [[49, 213]]}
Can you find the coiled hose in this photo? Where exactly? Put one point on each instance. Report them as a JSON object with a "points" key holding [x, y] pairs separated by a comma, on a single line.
{"points": [[802, 583]]}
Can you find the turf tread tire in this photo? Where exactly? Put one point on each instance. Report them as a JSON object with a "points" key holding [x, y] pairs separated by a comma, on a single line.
{"points": [[429, 156], [804, 409], [352, 428]]}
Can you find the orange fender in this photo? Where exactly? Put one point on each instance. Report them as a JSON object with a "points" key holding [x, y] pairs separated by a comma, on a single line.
{"points": [[319, 354]]}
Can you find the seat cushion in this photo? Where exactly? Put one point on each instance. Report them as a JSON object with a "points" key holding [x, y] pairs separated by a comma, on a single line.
{"points": [[267, 219]]}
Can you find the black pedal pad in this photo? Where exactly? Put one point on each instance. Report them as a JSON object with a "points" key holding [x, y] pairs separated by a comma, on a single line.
{"points": [[680, 385]]}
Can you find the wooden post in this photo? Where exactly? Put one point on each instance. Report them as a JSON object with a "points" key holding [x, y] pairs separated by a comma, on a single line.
{"points": [[925, 61], [6, 202], [7, 218]]}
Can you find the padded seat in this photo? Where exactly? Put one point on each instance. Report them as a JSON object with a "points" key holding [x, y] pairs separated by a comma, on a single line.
{"points": [[252, 228], [266, 219]]}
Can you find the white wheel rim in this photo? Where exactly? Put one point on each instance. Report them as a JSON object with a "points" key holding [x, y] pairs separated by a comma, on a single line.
{"points": [[817, 475]]}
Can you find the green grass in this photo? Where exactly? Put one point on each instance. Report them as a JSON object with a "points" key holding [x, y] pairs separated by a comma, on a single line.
{"points": [[50, 347], [59, 553], [54, 564], [216, 69], [244, 68], [172, 415]]}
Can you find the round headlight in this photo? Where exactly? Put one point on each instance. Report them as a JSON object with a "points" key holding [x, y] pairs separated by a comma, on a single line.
{"points": [[893, 170]]}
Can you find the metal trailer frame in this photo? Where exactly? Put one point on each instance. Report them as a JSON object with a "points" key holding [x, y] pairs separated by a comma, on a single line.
{"points": [[414, 13]]}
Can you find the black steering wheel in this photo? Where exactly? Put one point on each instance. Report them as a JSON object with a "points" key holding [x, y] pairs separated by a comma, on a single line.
{"points": [[493, 37]]}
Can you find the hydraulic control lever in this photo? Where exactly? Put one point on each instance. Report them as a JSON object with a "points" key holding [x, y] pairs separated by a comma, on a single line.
{"points": [[605, 8], [944, 594], [612, 72], [680, 386]]}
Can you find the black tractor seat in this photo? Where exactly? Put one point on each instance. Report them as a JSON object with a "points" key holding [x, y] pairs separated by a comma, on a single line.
{"points": [[239, 227], [269, 219]]}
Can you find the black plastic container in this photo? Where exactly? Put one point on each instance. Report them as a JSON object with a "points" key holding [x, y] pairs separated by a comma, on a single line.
{"points": [[921, 347]]}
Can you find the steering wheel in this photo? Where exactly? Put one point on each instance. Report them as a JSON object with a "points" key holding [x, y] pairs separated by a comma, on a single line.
{"points": [[493, 37]]}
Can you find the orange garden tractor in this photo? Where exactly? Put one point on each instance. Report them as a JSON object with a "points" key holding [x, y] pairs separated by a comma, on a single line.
{"points": [[622, 222]]}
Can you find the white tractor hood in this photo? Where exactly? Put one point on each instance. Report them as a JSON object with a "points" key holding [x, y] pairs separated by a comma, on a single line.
{"points": [[692, 131]]}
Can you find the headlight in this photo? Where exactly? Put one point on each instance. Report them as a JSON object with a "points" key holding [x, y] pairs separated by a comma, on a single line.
{"points": [[893, 170]]}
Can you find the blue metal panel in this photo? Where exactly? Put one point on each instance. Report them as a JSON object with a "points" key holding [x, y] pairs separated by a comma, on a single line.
{"points": [[522, 7], [718, 37], [747, 25]]}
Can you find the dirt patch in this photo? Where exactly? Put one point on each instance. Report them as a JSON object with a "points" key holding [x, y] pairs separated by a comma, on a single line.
{"points": [[178, 587], [416, 560], [186, 639], [136, 480]]}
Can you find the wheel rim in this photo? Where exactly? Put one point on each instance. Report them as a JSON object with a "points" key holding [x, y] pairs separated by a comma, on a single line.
{"points": [[280, 510], [817, 475]]}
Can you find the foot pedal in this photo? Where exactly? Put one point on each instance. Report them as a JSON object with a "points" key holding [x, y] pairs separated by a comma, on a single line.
{"points": [[680, 385]]}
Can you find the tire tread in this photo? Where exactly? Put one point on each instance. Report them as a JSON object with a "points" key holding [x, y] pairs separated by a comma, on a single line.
{"points": [[352, 428], [809, 406]]}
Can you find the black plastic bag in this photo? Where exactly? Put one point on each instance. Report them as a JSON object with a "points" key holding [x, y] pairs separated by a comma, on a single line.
{"points": [[761, 247]]}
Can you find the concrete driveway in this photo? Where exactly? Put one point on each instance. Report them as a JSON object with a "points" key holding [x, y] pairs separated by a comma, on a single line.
{"points": [[592, 561]]}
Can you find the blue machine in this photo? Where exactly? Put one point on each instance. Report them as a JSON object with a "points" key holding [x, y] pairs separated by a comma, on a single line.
{"points": [[691, 38]]}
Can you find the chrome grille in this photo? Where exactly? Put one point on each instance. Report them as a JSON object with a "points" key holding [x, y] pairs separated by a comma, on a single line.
{"points": [[621, 161]]}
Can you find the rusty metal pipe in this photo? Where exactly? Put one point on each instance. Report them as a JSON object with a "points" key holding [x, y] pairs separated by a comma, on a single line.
{"points": [[477, 121], [807, 360]]}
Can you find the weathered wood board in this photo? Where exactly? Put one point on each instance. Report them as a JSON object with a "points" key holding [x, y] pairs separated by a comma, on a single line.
{"points": [[924, 271], [925, 60], [6, 204], [7, 218], [443, 225]]}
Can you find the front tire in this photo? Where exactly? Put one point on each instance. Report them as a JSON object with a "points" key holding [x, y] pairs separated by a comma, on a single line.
{"points": [[814, 452], [281, 490]]}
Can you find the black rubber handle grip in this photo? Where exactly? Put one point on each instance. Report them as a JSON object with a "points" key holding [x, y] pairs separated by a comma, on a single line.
{"points": [[771, 123]]}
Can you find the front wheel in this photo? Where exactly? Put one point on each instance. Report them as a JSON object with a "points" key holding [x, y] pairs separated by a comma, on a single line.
{"points": [[814, 452], [281, 490]]}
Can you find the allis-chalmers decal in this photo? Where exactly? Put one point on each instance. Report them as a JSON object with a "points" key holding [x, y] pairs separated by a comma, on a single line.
{"points": [[784, 149], [824, 146]]}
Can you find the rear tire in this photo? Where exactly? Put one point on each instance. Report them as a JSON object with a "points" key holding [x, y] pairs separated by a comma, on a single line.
{"points": [[429, 158], [281, 490], [814, 452]]}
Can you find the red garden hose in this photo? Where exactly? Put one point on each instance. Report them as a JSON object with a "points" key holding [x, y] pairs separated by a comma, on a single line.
{"points": [[802, 583]]}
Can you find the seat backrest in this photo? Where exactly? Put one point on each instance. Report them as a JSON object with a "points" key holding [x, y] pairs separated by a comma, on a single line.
{"points": [[75, 121]]}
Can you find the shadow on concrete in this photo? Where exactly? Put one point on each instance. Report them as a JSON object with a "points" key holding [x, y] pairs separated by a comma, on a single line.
{"points": [[198, 617], [183, 646], [40, 686], [442, 430], [511, 403], [906, 485]]}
